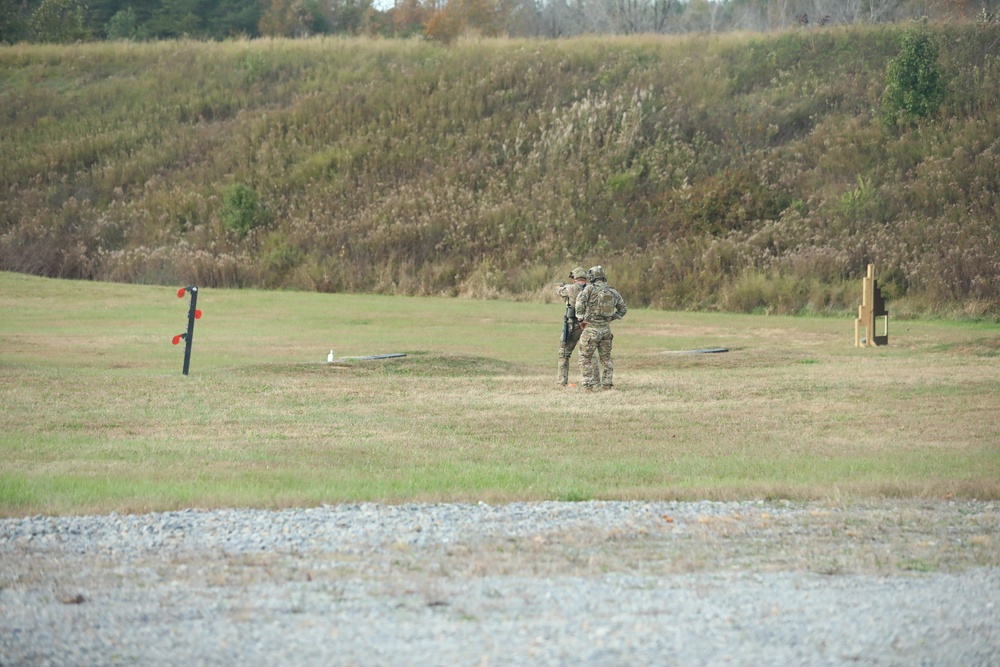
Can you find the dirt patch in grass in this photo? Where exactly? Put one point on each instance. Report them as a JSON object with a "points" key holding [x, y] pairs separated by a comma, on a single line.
{"points": [[413, 364]]}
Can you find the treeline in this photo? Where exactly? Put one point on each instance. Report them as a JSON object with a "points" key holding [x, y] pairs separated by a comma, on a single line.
{"points": [[735, 172], [67, 21]]}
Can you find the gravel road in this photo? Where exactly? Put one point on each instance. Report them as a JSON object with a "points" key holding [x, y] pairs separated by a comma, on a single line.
{"points": [[590, 583]]}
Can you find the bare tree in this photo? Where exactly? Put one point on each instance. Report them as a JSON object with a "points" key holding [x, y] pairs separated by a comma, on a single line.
{"points": [[865, 11], [566, 18], [703, 15], [630, 15], [781, 13], [748, 15], [882, 10], [662, 12]]}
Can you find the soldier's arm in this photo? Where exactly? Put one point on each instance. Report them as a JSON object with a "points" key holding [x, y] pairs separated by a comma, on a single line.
{"points": [[581, 303], [620, 307]]}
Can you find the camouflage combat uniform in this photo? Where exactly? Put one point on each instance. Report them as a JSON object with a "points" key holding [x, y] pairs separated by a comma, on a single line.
{"points": [[568, 292], [597, 305]]}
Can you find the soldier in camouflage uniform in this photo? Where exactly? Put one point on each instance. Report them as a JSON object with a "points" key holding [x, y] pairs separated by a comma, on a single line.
{"points": [[596, 306], [571, 333]]}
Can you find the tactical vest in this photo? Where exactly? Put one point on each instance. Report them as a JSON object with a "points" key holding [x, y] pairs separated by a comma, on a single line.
{"points": [[603, 301]]}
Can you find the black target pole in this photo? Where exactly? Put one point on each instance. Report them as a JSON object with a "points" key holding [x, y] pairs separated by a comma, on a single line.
{"points": [[193, 314]]}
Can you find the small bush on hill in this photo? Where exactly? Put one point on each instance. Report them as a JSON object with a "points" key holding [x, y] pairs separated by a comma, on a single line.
{"points": [[242, 211], [914, 81]]}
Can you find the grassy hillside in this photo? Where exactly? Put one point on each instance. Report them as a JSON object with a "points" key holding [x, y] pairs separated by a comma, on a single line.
{"points": [[736, 172], [98, 417]]}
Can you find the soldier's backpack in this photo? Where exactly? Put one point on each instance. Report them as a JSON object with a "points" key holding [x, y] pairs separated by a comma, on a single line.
{"points": [[605, 300]]}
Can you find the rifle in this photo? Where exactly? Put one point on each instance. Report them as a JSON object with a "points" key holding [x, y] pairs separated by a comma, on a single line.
{"points": [[568, 319]]}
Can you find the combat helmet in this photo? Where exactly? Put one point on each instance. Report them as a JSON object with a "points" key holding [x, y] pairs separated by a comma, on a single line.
{"points": [[578, 272], [596, 273]]}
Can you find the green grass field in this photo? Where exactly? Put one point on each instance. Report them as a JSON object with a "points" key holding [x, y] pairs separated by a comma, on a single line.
{"points": [[97, 415]]}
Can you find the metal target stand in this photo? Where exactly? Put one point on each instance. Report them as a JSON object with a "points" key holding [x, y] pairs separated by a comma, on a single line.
{"points": [[193, 314]]}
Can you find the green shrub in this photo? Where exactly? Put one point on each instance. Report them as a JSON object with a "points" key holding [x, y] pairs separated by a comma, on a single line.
{"points": [[59, 21], [914, 83], [13, 23], [123, 25], [242, 210]]}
